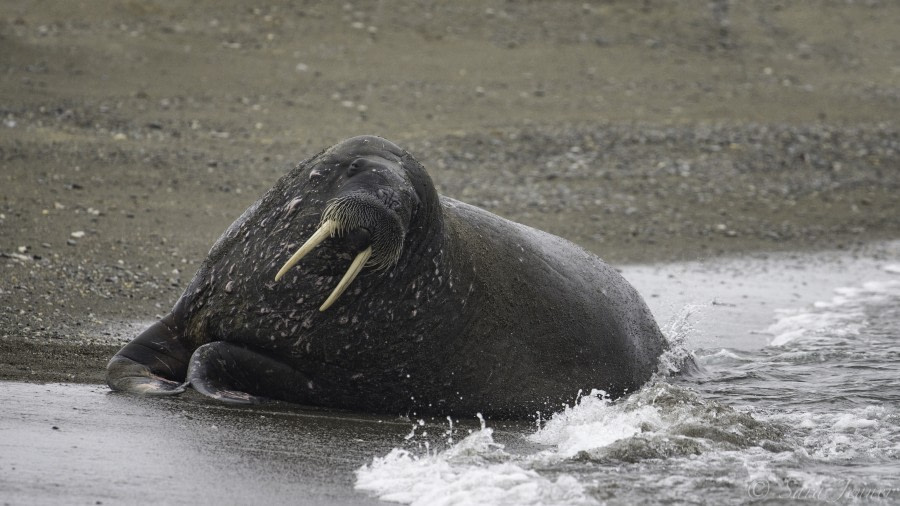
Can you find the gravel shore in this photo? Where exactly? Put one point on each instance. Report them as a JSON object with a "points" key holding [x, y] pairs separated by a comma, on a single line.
{"points": [[134, 133]]}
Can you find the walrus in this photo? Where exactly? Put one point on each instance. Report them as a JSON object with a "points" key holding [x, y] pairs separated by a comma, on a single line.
{"points": [[352, 284]]}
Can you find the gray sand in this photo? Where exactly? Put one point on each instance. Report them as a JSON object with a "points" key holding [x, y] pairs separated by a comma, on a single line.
{"points": [[134, 133]]}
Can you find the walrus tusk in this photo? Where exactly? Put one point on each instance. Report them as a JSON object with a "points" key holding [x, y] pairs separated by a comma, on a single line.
{"points": [[348, 278], [320, 235], [323, 233]]}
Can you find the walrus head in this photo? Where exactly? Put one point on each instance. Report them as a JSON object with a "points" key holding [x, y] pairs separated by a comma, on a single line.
{"points": [[372, 196]]}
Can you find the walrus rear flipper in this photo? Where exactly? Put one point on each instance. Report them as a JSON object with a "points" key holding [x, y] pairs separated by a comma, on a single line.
{"points": [[154, 363], [236, 374]]}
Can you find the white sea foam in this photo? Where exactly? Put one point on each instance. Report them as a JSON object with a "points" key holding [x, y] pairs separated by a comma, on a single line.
{"points": [[848, 422], [841, 316], [867, 431], [477, 470], [660, 420], [892, 268], [722, 357], [594, 423], [792, 325], [474, 471]]}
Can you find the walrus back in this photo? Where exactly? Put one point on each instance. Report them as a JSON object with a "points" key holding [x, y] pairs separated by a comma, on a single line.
{"points": [[566, 319]]}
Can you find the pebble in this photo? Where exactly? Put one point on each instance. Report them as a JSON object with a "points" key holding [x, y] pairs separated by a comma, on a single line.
{"points": [[552, 176]]}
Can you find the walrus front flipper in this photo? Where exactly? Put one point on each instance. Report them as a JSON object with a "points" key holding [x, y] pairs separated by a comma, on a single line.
{"points": [[154, 363], [238, 375], [126, 375]]}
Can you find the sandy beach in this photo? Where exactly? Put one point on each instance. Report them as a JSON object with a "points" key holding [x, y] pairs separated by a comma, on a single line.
{"points": [[134, 133]]}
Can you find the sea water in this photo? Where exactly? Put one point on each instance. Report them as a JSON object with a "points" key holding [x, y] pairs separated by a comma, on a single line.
{"points": [[806, 407]]}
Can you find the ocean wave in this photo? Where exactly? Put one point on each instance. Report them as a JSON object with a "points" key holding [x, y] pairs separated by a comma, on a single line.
{"points": [[844, 315], [476, 470], [866, 433], [659, 421]]}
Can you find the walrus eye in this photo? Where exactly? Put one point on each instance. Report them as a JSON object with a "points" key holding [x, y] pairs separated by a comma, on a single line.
{"points": [[324, 232]]}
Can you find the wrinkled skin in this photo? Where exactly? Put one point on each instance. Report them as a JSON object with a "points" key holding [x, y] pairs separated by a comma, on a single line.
{"points": [[474, 313]]}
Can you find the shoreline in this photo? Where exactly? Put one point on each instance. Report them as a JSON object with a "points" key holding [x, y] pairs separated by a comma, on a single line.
{"points": [[317, 453], [714, 291]]}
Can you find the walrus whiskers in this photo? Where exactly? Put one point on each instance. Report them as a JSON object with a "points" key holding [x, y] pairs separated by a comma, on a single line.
{"points": [[361, 210], [348, 278], [324, 232]]}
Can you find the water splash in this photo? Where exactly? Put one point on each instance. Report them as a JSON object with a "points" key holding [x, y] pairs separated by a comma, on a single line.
{"points": [[678, 358], [593, 423], [476, 470], [660, 420]]}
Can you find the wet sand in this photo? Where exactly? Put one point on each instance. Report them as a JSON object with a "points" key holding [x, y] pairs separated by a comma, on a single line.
{"points": [[194, 452]]}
